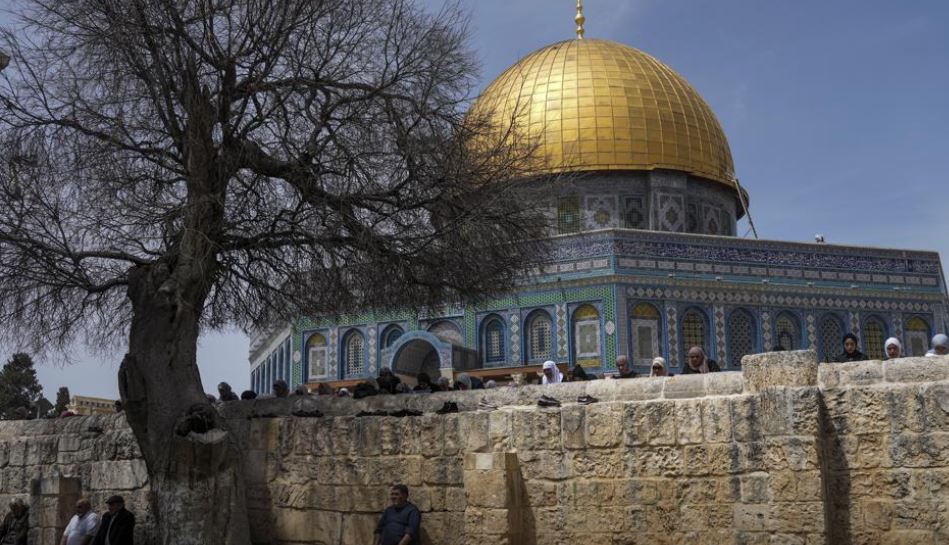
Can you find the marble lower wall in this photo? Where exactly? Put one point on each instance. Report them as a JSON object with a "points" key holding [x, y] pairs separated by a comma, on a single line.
{"points": [[785, 452]]}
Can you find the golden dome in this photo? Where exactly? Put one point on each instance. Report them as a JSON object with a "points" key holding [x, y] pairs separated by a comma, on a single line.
{"points": [[600, 105]]}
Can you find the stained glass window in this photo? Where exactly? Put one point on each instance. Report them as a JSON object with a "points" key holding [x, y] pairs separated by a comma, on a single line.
{"points": [[447, 331], [692, 218], [787, 331], [586, 335], [355, 354], [831, 337], [873, 337], [634, 213], [390, 335], [568, 214], [694, 330], [645, 328], [917, 336], [741, 336], [494, 341], [316, 354], [539, 330]]}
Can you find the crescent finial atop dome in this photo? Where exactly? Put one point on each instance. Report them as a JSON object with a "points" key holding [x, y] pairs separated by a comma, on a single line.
{"points": [[580, 19]]}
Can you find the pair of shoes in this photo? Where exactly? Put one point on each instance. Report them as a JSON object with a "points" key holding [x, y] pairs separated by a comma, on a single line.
{"points": [[405, 412], [586, 399], [314, 413], [547, 401], [448, 407], [372, 413], [483, 405]]}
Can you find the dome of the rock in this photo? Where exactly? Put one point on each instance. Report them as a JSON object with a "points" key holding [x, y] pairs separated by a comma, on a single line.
{"points": [[598, 105]]}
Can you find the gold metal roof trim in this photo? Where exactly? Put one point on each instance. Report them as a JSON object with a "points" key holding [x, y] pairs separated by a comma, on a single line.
{"points": [[592, 105]]}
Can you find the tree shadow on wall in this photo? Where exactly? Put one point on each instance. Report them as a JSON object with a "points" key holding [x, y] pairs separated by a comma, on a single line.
{"points": [[523, 530], [835, 470]]}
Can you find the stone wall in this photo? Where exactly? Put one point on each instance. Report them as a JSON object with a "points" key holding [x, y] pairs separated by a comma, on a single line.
{"points": [[785, 452]]}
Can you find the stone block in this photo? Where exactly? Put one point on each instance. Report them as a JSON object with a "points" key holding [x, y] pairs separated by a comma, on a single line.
{"points": [[474, 430], [688, 422], [752, 517], [856, 373], [725, 383], [683, 386], [716, 420], [755, 488], [536, 430], [573, 424], [916, 370], [486, 489], [443, 470], [358, 529], [69, 443], [118, 475], [298, 525], [604, 424], [793, 368], [500, 429], [652, 422]]}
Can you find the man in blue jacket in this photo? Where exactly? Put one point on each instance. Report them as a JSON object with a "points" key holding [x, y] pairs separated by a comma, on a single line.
{"points": [[400, 521]]}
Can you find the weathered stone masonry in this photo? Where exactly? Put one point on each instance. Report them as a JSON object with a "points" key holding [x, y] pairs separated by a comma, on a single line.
{"points": [[785, 452]]}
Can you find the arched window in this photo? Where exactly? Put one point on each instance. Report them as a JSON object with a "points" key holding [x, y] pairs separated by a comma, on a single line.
{"points": [[694, 330], [539, 331], [741, 336], [390, 335], [831, 337], [644, 326], [586, 336], [447, 331], [316, 355], [354, 354], [917, 336], [787, 331], [493, 340], [874, 333]]}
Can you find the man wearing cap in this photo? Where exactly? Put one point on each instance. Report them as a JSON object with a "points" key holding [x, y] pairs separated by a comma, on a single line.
{"points": [[118, 525]]}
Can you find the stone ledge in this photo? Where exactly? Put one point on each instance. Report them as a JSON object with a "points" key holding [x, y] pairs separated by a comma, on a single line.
{"points": [[795, 369], [865, 373]]}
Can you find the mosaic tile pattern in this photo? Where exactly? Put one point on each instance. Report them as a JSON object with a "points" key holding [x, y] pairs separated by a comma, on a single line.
{"points": [[766, 330], [562, 331], [672, 332], [718, 317], [811, 332], [515, 329]]}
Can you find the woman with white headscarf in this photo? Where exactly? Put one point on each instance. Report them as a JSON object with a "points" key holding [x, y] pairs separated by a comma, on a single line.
{"points": [[552, 374], [940, 347], [658, 368], [893, 348]]}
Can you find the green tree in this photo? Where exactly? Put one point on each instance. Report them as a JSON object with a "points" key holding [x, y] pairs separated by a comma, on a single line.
{"points": [[62, 400], [18, 388]]}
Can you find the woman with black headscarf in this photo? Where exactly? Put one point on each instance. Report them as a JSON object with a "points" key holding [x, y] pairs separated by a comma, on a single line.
{"points": [[850, 352]]}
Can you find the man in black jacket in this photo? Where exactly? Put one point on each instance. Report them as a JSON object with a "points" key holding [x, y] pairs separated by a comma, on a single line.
{"points": [[16, 524], [117, 526]]}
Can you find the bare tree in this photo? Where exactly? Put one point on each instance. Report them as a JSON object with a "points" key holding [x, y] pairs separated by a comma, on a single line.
{"points": [[171, 166]]}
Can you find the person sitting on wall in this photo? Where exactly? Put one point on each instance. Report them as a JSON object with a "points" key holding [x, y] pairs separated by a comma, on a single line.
{"points": [[225, 393], [82, 526], [443, 384], [423, 383], [117, 526], [940, 347], [624, 368], [248, 395], [552, 374], [893, 348], [658, 368], [464, 381], [579, 374], [850, 352], [324, 389], [16, 524], [387, 381], [401, 521], [698, 362], [280, 388]]}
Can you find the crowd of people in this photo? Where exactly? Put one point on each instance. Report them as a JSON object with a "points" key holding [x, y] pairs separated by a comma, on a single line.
{"points": [[697, 361], [116, 526]]}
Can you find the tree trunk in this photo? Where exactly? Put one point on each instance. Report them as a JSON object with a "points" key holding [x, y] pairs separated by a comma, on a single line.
{"points": [[194, 462]]}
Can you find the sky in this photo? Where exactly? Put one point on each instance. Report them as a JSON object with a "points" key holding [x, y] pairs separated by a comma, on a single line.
{"points": [[836, 113]]}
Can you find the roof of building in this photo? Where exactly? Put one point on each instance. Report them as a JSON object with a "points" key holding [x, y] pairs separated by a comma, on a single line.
{"points": [[591, 105]]}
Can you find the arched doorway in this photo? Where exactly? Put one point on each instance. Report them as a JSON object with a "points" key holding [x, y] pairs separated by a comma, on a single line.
{"points": [[414, 357]]}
